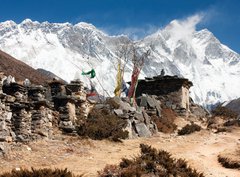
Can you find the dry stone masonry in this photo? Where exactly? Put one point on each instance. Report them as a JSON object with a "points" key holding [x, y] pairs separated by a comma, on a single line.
{"points": [[171, 91], [29, 112]]}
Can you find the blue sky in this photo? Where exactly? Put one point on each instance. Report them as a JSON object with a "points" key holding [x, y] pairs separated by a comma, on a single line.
{"points": [[136, 18]]}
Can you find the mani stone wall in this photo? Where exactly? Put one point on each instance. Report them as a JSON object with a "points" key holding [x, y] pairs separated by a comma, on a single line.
{"points": [[25, 114], [172, 91], [70, 101]]}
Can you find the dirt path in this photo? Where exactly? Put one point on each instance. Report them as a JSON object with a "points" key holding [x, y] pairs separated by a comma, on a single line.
{"points": [[86, 156]]}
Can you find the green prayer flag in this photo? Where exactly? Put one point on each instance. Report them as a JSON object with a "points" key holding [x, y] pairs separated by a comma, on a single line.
{"points": [[91, 73]]}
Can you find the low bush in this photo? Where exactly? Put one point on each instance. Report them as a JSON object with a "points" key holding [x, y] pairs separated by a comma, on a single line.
{"points": [[102, 124], [189, 128], [151, 162], [228, 163], [232, 123], [224, 112], [46, 172], [165, 123]]}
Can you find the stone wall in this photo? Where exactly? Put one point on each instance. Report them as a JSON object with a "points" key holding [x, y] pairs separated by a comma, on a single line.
{"points": [[25, 114], [172, 91]]}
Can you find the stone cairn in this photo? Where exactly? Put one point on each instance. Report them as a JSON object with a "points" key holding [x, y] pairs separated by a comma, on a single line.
{"points": [[25, 113], [70, 101], [64, 104], [76, 90], [5, 115], [139, 123], [42, 117], [29, 112], [16, 99]]}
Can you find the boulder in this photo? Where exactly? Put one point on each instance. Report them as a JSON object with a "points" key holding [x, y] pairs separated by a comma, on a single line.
{"points": [[131, 133], [142, 130]]}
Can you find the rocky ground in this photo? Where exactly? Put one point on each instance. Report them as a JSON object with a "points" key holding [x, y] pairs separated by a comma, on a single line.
{"points": [[200, 149]]}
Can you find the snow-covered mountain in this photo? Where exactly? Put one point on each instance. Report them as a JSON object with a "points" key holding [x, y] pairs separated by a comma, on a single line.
{"points": [[67, 49]]}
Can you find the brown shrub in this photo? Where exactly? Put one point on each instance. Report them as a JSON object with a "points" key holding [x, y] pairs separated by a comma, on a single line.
{"points": [[224, 112], [150, 163], [228, 163], [189, 128], [165, 123], [46, 172], [102, 124], [232, 123]]}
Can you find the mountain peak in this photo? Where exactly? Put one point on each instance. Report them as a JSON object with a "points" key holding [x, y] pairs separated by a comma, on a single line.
{"points": [[66, 50], [27, 20], [8, 23], [85, 25]]}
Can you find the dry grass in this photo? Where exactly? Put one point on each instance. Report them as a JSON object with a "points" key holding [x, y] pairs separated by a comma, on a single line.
{"points": [[189, 128], [39, 173], [224, 112], [151, 162], [101, 124], [230, 158]]}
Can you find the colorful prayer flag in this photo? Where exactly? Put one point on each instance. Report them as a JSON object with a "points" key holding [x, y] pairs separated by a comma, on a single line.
{"points": [[117, 90], [92, 73]]}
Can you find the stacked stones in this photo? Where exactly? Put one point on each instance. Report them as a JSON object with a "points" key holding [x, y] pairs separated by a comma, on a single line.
{"points": [[41, 124], [171, 101], [151, 104], [139, 122], [65, 105], [20, 107], [5, 116], [76, 89]]}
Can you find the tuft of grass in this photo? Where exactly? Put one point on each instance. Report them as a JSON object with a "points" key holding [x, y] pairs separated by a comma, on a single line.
{"points": [[151, 162], [228, 163], [102, 124], [189, 128], [46, 172]]}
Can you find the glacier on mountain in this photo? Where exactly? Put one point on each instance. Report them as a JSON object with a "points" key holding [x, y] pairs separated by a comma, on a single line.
{"points": [[66, 50]]}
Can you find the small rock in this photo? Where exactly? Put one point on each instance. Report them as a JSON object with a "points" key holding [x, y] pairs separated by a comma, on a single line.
{"points": [[17, 169], [118, 112]]}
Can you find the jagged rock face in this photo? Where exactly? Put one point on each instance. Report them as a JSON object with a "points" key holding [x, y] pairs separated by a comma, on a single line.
{"points": [[67, 49]]}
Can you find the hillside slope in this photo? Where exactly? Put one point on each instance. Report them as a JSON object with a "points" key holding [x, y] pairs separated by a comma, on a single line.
{"points": [[20, 70]]}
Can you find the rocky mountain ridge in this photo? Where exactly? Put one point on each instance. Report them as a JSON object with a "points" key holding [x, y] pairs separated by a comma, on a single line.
{"points": [[67, 49]]}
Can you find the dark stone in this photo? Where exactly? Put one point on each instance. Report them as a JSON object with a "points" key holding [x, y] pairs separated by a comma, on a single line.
{"points": [[143, 101]]}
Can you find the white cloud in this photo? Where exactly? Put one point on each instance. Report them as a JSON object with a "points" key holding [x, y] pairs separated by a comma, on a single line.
{"points": [[183, 29], [179, 29]]}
